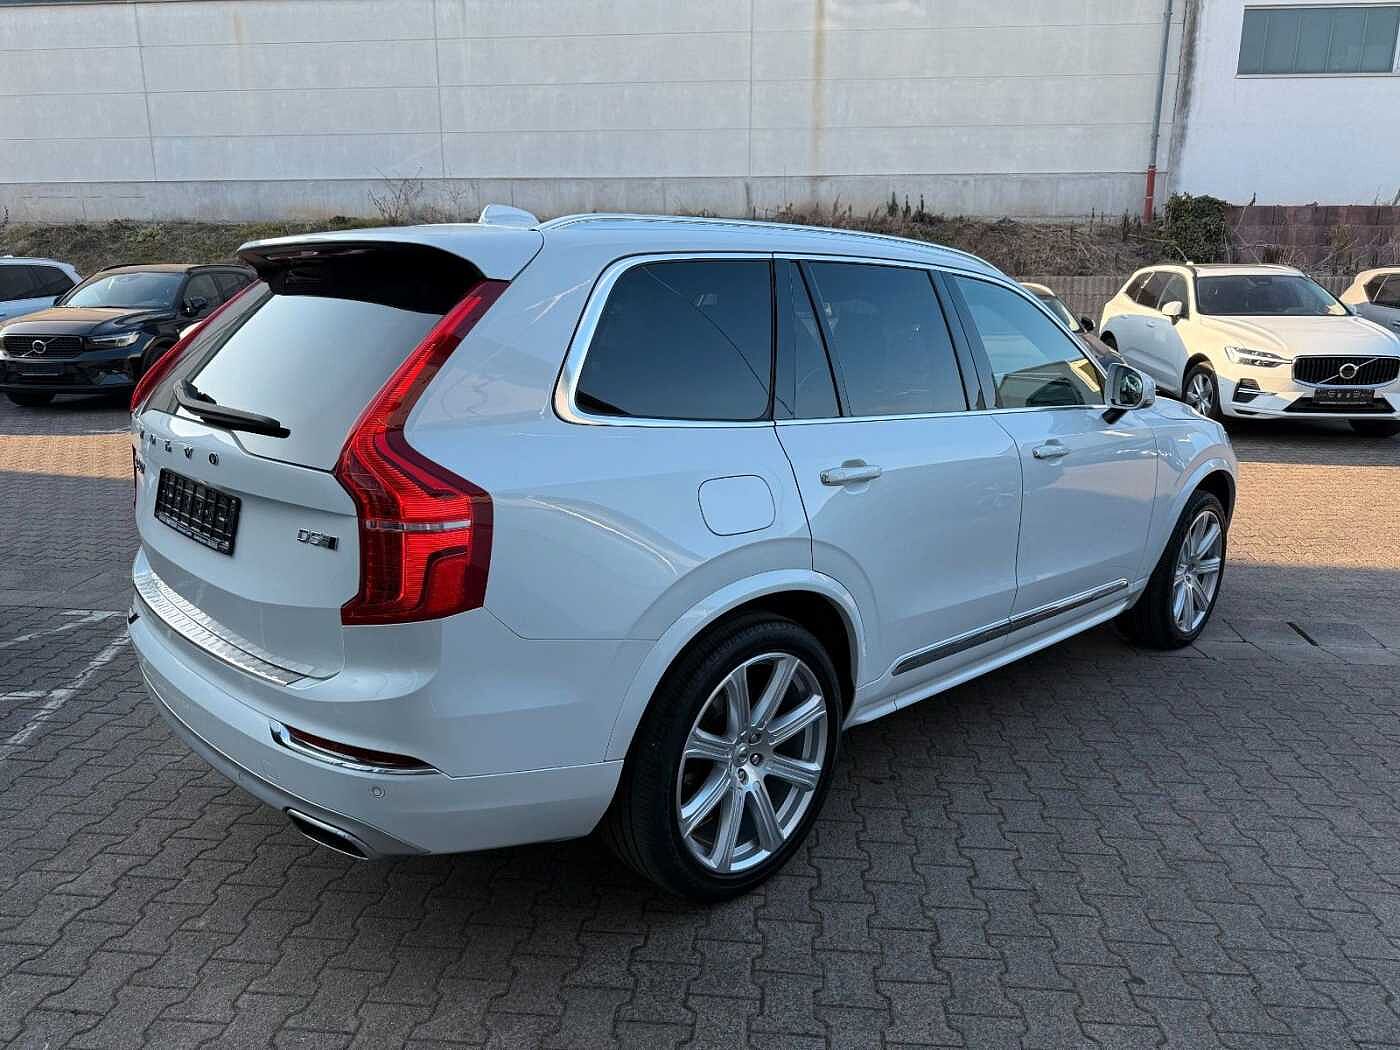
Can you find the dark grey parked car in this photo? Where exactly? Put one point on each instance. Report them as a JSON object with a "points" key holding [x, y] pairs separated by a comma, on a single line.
{"points": [[1082, 327], [103, 334]]}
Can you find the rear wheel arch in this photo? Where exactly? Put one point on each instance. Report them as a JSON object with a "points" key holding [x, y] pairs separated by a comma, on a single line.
{"points": [[1109, 339], [810, 609]]}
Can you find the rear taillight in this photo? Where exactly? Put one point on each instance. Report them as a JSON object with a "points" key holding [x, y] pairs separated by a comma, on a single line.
{"points": [[168, 360], [425, 533]]}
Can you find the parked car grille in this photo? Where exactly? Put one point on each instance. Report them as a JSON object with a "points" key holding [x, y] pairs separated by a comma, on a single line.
{"points": [[1326, 371], [54, 345]]}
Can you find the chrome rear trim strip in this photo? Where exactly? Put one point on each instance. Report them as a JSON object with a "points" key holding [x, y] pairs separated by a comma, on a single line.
{"points": [[972, 639], [330, 758], [207, 634]]}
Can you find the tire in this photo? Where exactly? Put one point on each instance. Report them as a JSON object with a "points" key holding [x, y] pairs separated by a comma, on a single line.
{"points": [[724, 788], [1375, 428], [1109, 341], [1153, 621], [151, 356], [1201, 391], [30, 400]]}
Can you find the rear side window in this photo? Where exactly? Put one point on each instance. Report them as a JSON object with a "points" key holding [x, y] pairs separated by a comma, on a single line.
{"points": [[320, 342], [1388, 294], [889, 341], [684, 340], [16, 283], [1035, 364]]}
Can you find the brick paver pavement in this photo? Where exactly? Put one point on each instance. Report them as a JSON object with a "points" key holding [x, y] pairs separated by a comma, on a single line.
{"points": [[1093, 847]]}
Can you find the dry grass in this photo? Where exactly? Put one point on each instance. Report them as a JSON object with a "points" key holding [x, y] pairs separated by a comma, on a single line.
{"points": [[1096, 246]]}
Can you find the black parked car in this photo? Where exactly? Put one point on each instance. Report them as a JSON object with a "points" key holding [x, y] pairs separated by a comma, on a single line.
{"points": [[101, 335]]}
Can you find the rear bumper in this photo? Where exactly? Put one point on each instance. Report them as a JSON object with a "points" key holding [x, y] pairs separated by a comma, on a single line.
{"points": [[385, 813]]}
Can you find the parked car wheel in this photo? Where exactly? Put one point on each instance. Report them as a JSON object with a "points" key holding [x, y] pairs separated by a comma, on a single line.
{"points": [[152, 355], [1202, 392], [1180, 597], [30, 400], [1375, 428], [732, 761]]}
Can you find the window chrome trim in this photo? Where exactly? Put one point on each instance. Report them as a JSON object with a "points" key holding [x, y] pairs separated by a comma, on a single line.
{"points": [[971, 639], [566, 386]]}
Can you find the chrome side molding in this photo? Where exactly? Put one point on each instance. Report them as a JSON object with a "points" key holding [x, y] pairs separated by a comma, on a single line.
{"points": [[1030, 618]]}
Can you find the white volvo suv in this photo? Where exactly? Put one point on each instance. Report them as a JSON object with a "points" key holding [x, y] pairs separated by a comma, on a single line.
{"points": [[455, 537], [1256, 341]]}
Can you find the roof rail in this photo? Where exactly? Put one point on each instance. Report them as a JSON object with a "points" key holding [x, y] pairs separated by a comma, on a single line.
{"points": [[708, 220]]}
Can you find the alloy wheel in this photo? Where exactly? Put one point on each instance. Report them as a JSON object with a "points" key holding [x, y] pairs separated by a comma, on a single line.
{"points": [[1197, 574], [1199, 393], [751, 767]]}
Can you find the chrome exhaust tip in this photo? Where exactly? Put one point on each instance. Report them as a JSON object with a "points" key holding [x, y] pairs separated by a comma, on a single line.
{"points": [[329, 836]]}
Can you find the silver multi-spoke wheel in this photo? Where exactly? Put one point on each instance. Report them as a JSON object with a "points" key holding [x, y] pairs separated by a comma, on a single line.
{"points": [[753, 760], [1200, 392], [1197, 572]]}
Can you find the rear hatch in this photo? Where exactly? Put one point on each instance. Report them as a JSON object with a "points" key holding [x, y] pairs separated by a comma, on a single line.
{"points": [[245, 530]]}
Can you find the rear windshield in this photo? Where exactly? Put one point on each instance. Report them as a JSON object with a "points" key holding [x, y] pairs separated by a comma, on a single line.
{"points": [[319, 341], [1265, 295]]}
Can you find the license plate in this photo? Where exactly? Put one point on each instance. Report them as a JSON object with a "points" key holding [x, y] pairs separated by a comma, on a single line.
{"points": [[205, 514], [1324, 396]]}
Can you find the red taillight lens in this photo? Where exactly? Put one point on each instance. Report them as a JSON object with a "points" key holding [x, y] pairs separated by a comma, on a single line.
{"points": [[425, 533], [167, 361]]}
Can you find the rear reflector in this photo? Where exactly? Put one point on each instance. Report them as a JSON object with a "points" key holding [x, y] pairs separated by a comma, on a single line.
{"points": [[425, 532], [163, 364], [364, 757]]}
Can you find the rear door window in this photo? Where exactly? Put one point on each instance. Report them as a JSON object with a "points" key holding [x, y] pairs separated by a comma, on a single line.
{"points": [[806, 388], [683, 340], [50, 280], [889, 341], [313, 348], [1388, 294], [1151, 290]]}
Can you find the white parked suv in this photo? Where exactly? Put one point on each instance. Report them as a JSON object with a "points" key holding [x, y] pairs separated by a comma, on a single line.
{"points": [[454, 537], [1256, 341]]}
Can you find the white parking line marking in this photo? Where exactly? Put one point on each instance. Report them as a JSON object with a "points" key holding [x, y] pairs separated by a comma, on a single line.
{"points": [[87, 618], [58, 697]]}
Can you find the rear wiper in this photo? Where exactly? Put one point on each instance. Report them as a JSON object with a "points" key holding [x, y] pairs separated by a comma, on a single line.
{"points": [[200, 404]]}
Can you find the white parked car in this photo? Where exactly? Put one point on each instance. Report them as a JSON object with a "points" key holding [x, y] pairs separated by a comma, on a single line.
{"points": [[1256, 341], [1375, 295], [454, 537], [29, 285]]}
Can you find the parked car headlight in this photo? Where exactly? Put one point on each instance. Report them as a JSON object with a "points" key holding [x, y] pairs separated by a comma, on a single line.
{"points": [[113, 342], [1242, 355]]}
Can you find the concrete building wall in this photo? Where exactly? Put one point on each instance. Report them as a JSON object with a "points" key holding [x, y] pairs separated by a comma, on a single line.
{"points": [[1327, 139], [218, 109]]}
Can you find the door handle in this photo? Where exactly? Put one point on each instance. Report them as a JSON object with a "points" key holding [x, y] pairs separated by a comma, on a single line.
{"points": [[1050, 450], [850, 473]]}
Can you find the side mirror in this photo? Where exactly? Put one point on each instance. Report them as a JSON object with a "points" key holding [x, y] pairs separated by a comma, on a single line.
{"points": [[1126, 388], [196, 306], [1086, 323], [1174, 310]]}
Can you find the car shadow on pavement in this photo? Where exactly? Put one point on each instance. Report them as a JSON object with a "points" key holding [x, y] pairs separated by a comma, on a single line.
{"points": [[1306, 443], [68, 415]]}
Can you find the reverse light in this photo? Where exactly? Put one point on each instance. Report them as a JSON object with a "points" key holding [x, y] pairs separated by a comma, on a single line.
{"points": [[1242, 355], [167, 360], [425, 532]]}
